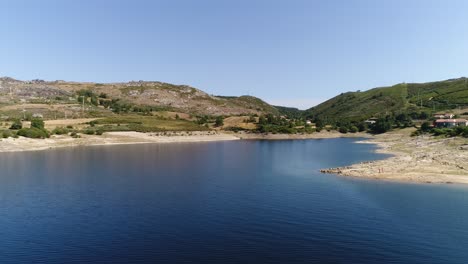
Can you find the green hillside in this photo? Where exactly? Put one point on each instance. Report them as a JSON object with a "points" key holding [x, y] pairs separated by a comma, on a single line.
{"points": [[447, 94], [290, 112], [400, 98]]}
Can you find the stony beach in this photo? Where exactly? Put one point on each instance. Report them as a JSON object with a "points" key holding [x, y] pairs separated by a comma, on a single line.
{"points": [[422, 159]]}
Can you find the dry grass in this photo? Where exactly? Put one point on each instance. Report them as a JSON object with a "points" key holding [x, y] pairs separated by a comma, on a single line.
{"points": [[238, 121]]}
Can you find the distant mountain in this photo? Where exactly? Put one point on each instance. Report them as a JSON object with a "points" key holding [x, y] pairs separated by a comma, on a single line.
{"points": [[180, 98], [404, 97]]}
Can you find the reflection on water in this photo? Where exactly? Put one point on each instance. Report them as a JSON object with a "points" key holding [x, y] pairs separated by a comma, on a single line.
{"points": [[223, 202]]}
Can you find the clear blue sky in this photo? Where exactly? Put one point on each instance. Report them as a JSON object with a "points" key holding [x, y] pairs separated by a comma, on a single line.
{"points": [[288, 52]]}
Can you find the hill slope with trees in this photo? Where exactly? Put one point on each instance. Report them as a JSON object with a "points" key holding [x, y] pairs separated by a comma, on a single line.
{"points": [[405, 98]]}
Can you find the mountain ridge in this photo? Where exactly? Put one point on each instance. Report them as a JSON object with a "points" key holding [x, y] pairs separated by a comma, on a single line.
{"points": [[181, 98]]}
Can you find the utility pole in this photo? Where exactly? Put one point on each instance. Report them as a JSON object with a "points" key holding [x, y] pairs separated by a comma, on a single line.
{"points": [[419, 96]]}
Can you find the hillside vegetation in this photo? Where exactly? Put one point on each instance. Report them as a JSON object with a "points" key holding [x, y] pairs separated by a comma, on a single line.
{"points": [[409, 98]]}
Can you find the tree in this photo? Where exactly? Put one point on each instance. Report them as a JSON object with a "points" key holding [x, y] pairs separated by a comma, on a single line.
{"points": [[353, 129], [426, 126], [17, 124], [202, 120], [319, 123], [37, 123], [382, 125], [362, 126], [403, 120], [262, 120], [424, 115], [219, 121]]}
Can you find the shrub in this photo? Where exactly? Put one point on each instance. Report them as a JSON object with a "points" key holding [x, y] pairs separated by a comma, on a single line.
{"points": [[100, 131], [343, 130], [70, 127], [37, 123], [60, 131], [426, 126], [89, 132], [234, 129], [416, 133], [362, 126], [465, 132], [33, 132], [6, 134], [353, 129], [219, 121], [17, 124], [439, 131], [74, 135]]}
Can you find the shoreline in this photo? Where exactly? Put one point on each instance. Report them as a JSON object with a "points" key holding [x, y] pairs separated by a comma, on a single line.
{"points": [[316, 135], [22, 144], [126, 138], [421, 159]]}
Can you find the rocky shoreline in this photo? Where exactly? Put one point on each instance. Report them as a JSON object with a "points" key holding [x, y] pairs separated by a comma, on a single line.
{"points": [[422, 159]]}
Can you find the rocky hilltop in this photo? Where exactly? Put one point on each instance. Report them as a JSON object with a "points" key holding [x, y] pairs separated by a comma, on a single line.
{"points": [[179, 98]]}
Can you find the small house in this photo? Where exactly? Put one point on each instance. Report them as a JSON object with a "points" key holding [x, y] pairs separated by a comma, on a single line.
{"points": [[448, 123], [371, 121]]}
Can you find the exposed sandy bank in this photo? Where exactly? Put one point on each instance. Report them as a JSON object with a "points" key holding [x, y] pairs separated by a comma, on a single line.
{"points": [[422, 159], [109, 138], [114, 138]]}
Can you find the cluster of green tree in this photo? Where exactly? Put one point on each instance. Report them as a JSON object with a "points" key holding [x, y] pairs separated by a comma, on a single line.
{"points": [[381, 125], [205, 120], [37, 130], [86, 95], [120, 106], [421, 115], [235, 129], [276, 124]]}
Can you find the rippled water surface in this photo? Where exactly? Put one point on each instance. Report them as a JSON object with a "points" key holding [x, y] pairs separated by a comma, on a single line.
{"points": [[223, 202]]}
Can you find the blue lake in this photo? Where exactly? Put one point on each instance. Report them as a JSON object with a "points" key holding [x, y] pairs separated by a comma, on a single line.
{"points": [[221, 202]]}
